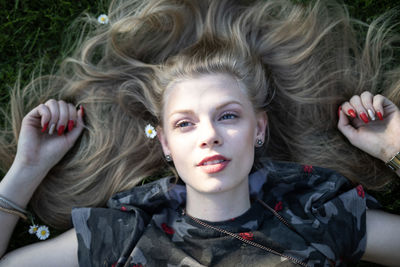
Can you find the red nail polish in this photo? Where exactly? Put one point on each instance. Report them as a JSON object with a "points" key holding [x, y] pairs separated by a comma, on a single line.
{"points": [[83, 111], [61, 130], [352, 113], [338, 113], [364, 117], [70, 125], [45, 127], [379, 115]]}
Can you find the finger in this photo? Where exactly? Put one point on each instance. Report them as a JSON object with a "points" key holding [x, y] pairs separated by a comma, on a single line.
{"points": [[355, 101], [72, 116], [79, 126], [366, 100], [45, 116], [38, 117], [54, 112], [63, 117], [346, 128], [378, 101], [349, 110]]}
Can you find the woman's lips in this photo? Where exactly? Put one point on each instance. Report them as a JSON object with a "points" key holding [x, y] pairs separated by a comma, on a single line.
{"points": [[213, 164]]}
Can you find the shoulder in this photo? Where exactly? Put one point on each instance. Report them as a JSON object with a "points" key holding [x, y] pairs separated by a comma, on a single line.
{"points": [[105, 234], [308, 189], [324, 207], [293, 180], [280, 172]]}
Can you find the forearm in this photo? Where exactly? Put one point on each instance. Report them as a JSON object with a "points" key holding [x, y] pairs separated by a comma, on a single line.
{"points": [[18, 186], [383, 238]]}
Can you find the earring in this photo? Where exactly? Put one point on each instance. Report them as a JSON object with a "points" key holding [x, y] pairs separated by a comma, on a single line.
{"points": [[168, 158], [259, 143]]}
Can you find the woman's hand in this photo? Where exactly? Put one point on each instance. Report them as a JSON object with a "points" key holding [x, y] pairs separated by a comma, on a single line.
{"points": [[371, 123], [47, 133]]}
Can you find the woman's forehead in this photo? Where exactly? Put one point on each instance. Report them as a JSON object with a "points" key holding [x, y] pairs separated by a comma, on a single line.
{"points": [[204, 89]]}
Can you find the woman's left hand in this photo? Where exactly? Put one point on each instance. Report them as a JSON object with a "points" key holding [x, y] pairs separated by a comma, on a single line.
{"points": [[371, 123]]}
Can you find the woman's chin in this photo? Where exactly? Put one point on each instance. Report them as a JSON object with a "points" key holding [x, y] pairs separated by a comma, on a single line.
{"points": [[215, 185]]}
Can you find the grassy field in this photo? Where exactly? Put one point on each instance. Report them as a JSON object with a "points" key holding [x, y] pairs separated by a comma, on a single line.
{"points": [[32, 30]]}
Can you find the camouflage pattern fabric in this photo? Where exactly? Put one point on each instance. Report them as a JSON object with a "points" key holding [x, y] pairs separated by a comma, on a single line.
{"points": [[146, 227]]}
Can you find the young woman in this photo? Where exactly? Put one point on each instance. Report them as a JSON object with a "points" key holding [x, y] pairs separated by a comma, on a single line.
{"points": [[218, 79]]}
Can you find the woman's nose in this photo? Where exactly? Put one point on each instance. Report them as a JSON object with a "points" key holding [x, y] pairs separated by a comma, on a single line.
{"points": [[209, 135]]}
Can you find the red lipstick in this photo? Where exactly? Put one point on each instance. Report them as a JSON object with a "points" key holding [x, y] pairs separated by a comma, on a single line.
{"points": [[213, 164]]}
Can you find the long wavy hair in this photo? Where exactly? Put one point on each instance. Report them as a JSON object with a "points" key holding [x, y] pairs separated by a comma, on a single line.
{"points": [[299, 63]]}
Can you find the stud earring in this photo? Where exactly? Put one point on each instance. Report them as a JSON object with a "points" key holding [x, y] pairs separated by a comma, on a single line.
{"points": [[259, 143], [168, 158]]}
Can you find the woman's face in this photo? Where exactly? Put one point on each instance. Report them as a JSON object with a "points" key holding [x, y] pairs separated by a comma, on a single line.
{"points": [[210, 130]]}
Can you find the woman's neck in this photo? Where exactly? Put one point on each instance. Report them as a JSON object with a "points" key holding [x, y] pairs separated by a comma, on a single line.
{"points": [[218, 206]]}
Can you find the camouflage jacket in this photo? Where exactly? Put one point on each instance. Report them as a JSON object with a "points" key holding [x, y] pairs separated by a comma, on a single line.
{"points": [[146, 226]]}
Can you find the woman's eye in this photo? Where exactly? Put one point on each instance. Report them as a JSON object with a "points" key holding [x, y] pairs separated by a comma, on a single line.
{"points": [[228, 116], [182, 124]]}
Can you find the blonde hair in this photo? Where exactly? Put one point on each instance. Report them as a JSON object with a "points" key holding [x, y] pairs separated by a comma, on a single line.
{"points": [[298, 63]]}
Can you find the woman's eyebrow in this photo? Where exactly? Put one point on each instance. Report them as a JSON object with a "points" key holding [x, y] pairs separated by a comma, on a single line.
{"points": [[183, 111], [189, 111], [228, 103]]}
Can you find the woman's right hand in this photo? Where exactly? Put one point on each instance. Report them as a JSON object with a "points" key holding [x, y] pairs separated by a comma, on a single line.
{"points": [[47, 133]]}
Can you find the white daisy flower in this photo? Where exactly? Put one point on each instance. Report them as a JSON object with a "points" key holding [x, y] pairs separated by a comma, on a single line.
{"points": [[43, 232], [103, 19], [33, 229], [150, 131]]}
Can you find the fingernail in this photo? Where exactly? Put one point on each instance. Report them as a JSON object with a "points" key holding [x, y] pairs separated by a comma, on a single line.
{"points": [[379, 115], [70, 125], [52, 127], [83, 111], [364, 117], [371, 114], [61, 130], [352, 113], [338, 113], [45, 127]]}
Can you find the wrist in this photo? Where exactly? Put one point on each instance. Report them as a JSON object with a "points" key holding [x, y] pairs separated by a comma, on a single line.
{"points": [[20, 182], [388, 152], [34, 171], [393, 163]]}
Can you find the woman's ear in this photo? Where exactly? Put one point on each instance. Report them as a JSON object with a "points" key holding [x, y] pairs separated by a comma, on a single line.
{"points": [[262, 123], [163, 140]]}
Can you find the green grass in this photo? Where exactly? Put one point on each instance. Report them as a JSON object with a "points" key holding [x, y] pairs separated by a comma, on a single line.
{"points": [[30, 30], [36, 29]]}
